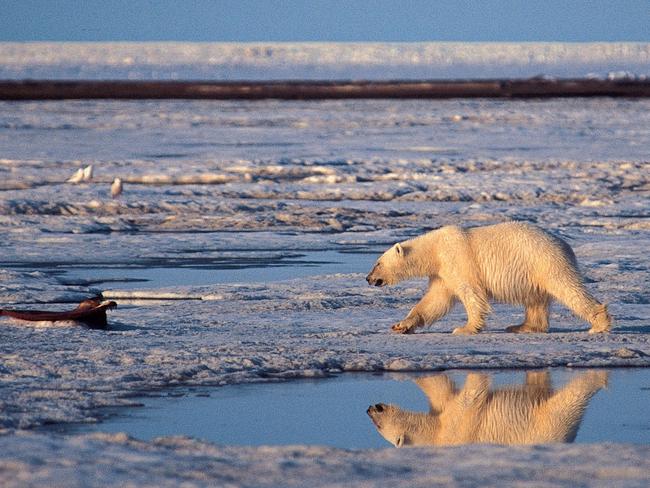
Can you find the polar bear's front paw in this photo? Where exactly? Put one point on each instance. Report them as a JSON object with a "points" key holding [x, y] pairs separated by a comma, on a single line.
{"points": [[464, 331], [402, 328]]}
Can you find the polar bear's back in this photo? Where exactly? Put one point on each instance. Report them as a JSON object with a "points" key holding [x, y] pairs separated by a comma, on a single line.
{"points": [[518, 261]]}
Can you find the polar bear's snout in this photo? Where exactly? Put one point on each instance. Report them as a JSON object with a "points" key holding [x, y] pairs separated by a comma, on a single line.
{"points": [[374, 281], [374, 412]]}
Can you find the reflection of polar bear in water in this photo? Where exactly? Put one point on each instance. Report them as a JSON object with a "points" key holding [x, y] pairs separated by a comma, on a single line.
{"points": [[529, 414], [511, 262]]}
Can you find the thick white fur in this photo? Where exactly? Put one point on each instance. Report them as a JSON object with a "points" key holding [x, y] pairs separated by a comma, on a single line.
{"points": [[513, 262]]}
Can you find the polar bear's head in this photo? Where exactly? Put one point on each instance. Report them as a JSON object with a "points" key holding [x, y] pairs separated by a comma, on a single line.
{"points": [[389, 267], [401, 427]]}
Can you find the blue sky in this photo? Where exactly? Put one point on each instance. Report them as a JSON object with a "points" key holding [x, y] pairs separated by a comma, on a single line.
{"points": [[325, 20]]}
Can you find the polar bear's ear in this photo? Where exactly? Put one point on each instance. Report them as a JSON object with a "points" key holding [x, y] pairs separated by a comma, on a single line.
{"points": [[399, 249]]}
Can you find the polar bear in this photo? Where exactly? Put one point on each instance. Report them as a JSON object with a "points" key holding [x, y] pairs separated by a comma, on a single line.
{"points": [[511, 262], [528, 414]]}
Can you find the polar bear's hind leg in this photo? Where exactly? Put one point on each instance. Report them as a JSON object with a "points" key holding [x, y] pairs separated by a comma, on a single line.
{"points": [[584, 305], [536, 320]]}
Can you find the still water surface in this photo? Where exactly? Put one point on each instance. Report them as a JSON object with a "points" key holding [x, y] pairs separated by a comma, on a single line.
{"points": [[602, 405], [242, 270]]}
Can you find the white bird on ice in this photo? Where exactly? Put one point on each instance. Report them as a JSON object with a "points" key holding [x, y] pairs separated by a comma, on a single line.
{"points": [[116, 187], [88, 172], [85, 174], [77, 177]]}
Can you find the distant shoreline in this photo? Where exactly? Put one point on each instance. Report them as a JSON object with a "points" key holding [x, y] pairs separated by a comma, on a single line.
{"points": [[321, 90]]}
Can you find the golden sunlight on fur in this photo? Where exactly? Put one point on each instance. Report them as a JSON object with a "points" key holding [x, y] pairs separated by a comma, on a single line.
{"points": [[513, 262]]}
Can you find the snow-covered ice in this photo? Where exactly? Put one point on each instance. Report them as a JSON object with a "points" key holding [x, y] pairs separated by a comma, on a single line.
{"points": [[235, 185], [231, 61], [97, 460]]}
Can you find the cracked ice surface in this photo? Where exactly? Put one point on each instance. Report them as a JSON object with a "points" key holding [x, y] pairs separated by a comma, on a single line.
{"points": [[249, 186], [173, 461]]}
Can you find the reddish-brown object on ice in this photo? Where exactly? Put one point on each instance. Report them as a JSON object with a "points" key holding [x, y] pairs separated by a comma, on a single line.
{"points": [[91, 312]]}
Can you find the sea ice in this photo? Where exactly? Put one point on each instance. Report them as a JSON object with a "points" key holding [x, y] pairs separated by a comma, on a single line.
{"points": [[228, 61], [232, 185]]}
